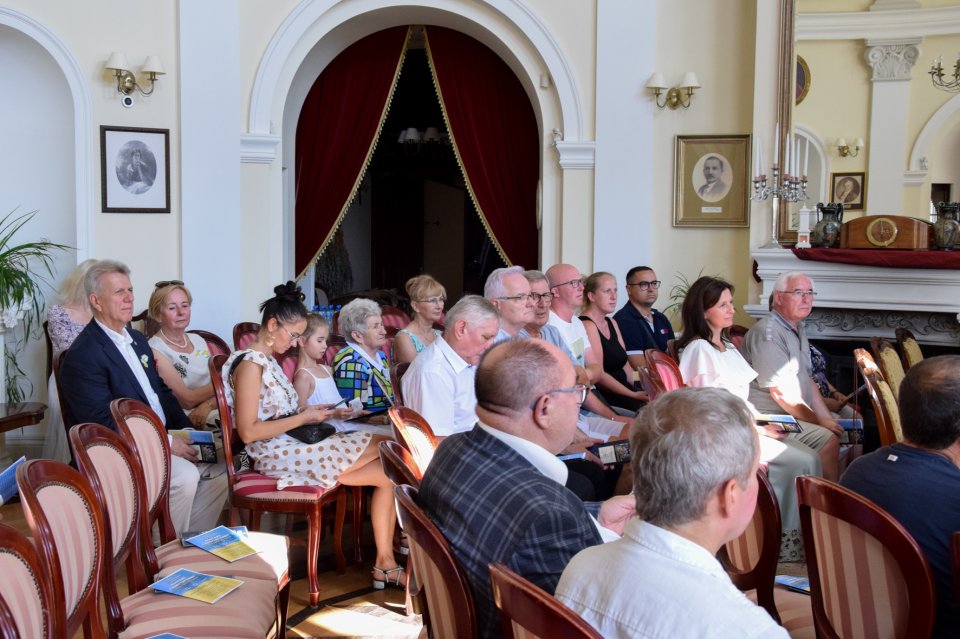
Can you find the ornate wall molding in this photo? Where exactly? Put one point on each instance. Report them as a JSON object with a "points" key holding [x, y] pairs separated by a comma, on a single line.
{"points": [[892, 60], [928, 328]]}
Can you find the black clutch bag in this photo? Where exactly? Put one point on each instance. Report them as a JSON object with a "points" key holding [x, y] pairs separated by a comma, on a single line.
{"points": [[312, 433]]}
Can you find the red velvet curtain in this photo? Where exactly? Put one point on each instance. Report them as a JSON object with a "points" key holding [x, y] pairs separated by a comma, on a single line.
{"points": [[495, 134], [336, 134]]}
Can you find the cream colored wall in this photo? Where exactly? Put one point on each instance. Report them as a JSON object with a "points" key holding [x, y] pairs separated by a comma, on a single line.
{"points": [[258, 24], [716, 40], [148, 243]]}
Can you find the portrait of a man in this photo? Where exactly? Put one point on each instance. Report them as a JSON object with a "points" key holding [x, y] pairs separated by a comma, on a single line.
{"points": [[714, 184], [848, 190], [136, 167]]}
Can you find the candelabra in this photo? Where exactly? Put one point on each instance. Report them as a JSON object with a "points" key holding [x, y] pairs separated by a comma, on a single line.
{"points": [[791, 188], [952, 83]]}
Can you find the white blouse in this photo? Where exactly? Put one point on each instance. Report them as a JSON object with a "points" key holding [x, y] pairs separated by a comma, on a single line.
{"points": [[702, 366]]}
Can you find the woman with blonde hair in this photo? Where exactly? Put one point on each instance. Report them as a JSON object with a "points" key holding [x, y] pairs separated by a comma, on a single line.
{"points": [[65, 320], [427, 298], [181, 356]]}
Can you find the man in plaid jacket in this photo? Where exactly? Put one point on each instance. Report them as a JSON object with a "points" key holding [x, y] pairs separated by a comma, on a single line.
{"points": [[497, 492]]}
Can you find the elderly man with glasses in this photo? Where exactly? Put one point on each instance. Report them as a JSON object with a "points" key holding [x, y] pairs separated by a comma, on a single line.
{"points": [[497, 492], [641, 325], [509, 291], [777, 348]]}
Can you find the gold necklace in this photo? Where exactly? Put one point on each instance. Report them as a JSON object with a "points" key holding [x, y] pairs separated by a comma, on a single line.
{"points": [[186, 341]]}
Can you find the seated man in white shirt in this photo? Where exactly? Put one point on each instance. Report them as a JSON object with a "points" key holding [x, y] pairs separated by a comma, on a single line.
{"points": [[695, 456], [439, 382], [107, 361]]}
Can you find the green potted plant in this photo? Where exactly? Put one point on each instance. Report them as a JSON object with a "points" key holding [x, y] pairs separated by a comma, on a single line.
{"points": [[24, 269]]}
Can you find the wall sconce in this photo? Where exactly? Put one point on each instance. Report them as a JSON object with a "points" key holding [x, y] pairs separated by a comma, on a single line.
{"points": [[845, 150], [126, 81], [675, 95]]}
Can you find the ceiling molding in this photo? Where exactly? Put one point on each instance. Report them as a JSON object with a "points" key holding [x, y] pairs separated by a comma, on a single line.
{"points": [[870, 25]]}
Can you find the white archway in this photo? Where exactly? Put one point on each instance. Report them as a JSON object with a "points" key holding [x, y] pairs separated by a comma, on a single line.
{"points": [[916, 171], [82, 120]]}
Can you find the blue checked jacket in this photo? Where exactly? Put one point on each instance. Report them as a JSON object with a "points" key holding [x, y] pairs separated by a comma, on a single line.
{"points": [[493, 505]]}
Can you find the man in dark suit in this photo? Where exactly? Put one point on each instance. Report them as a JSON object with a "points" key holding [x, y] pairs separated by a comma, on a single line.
{"points": [[497, 492], [108, 361]]}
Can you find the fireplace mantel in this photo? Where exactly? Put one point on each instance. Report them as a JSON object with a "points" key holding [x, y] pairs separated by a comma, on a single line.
{"points": [[859, 302]]}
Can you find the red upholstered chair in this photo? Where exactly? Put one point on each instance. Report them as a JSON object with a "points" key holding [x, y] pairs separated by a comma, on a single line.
{"points": [[398, 464], [736, 333], [868, 577], [335, 343], [661, 366], [397, 372], [68, 526], [27, 606], [250, 490], [889, 363], [751, 562], [881, 396], [449, 603], [528, 611], [912, 355], [243, 334], [672, 350], [215, 343], [414, 433], [650, 383], [288, 361]]}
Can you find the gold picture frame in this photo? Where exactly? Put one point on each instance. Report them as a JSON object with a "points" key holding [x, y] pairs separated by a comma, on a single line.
{"points": [[803, 79], [849, 189], [711, 181]]}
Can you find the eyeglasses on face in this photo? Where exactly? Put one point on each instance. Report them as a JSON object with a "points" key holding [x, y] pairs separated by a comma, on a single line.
{"points": [[577, 283], [168, 283], [523, 297], [541, 297], [655, 284], [294, 337], [433, 300], [800, 293], [576, 388]]}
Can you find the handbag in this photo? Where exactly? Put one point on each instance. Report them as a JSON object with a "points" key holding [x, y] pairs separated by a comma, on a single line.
{"points": [[311, 433]]}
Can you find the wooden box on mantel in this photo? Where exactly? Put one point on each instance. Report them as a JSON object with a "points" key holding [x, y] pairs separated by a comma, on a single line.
{"points": [[885, 232]]}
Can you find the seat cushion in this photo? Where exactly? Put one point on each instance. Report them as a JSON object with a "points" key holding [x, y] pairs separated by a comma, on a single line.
{"points": [[253, 485], [796, 613], [247, 612], [272, 560]]}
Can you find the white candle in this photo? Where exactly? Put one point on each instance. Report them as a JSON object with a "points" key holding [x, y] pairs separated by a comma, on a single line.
{"points": [[796, 157], [806, 159], [786, 156], [776, 145], [760, 158]]}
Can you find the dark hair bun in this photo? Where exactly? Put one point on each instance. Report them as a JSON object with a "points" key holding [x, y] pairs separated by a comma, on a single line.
{"points": [[290, 290]]}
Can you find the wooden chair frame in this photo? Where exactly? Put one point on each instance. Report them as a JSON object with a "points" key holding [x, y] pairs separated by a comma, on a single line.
{"points": [[215, 344], [403, 419], [398, 464], [536, 612], [397, 371], [68, 420], [313, 510], [242, 329], [652, 385], [879, 346], [427, 544], [905, 338], [658, 360], [12, 541], [872, 376], [845, 505]]}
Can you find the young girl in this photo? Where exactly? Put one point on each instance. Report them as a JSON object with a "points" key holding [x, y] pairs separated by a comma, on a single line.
{"points": [[314, 383]]}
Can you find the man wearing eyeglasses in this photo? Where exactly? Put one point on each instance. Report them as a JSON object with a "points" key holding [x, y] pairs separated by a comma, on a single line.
{"points": [[641, 325], [497, 492], [509, 291], [777, 348]]}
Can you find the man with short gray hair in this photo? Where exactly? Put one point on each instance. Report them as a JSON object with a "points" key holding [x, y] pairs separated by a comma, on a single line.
{"points": [[509, 291], [439, 382], [695, 457]]}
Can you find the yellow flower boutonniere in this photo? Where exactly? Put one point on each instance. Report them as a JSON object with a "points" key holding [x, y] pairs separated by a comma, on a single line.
{"points": [[144, 360]]}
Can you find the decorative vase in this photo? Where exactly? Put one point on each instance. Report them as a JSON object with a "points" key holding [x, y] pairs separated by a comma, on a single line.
{"points": [[826, 234], [947, 227]]}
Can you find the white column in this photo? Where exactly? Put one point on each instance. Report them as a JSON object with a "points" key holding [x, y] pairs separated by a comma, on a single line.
{"points": [[891, 61]]}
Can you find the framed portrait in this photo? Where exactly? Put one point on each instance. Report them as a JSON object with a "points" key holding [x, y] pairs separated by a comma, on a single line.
{"points": [[711, 180], [849, 189], [803, 79], [134, 170]]}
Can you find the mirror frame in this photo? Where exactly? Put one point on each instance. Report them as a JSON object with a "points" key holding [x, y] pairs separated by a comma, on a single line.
{"points": [[786, 97]]}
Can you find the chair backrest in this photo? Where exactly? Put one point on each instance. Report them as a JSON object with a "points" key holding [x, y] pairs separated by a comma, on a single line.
{"points": [[449, 603], [528, 611], [881, 396], [147, 438], [889, 362], [115, 475], [398, 464], [288, 361], [243, 334], [215, 364], [49, 342], [27, 605], [335, 343], [736, 333], [662, 367], [394, 317], [751, 558], [68, 420], [868, 577], [67, 528], [672, 350], [397, 372], [215, 343], [147, 325], [413, 433], [912, 355], [650, 383]]}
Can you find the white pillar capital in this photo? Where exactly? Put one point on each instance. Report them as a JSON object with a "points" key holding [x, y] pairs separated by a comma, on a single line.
{"points": [[892, 60]]}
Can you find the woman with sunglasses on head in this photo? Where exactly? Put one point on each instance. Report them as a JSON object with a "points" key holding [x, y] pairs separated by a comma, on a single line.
{"points": [[265, 406], [427, 298], [181, 356]]}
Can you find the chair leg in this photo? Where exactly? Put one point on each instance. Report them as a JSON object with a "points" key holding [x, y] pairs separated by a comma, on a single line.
{"points": [[255, 519], [338, 520], [358, 506], [283, 599], [234, 516], [314, 521]]}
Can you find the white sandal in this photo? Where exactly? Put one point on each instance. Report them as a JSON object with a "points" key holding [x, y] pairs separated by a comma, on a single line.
{"points": [[400, 581]]}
